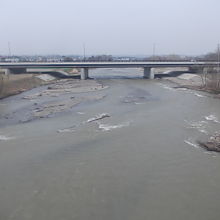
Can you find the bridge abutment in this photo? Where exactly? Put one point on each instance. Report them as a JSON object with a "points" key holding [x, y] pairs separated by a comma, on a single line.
{"points": [[148, 73], [7, 72], [85, 74], [15, 71]]}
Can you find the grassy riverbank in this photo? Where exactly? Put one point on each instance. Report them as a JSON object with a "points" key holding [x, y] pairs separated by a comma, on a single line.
{"points": [[15, 84]]}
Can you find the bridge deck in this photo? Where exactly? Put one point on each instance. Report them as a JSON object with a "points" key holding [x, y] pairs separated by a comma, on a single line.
{"points": [[105, 64]]}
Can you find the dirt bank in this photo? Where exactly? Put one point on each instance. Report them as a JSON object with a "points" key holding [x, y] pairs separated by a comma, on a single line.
{"points": [[187, 80], [195, 82], [15, 84]]}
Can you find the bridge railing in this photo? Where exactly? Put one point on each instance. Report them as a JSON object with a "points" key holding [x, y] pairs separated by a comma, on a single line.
{"points": [[106, 61]]}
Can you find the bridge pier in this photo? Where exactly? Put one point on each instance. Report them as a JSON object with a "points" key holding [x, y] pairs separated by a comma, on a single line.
{"points": [[85, 74], [148, 73]]}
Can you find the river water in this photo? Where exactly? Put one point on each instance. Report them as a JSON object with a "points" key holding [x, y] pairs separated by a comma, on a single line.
{"points": [[140, 163]]}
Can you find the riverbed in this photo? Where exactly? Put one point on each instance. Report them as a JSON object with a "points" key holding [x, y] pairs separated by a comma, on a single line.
{"points": [[125, 150]]}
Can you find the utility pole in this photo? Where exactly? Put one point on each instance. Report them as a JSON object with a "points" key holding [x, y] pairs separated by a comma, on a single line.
{"points": [[218, 56], [9, 49], [84, 52], [154, 50]]}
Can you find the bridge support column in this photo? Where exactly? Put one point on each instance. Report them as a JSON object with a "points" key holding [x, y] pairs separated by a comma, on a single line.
{"points": [[148, 73], [85, 73]]}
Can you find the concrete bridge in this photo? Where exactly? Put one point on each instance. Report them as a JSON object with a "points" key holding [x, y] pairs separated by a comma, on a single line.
{"points": [[147, 66]]}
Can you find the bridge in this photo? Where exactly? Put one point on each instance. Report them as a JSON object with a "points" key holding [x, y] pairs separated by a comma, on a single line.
{"points": [[18, 67]]}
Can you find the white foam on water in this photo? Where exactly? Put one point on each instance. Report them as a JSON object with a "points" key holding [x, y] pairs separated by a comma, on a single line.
{"points": [[98, 117], [165, 86], [213, 154], [107, 127], [65, 130], [200, 126], [81, 113], [69, 129], [203, 131], [139, 103], [212, 118], [182, 89], [191, 144], [168, 88], [199, 95], [5, 138]]}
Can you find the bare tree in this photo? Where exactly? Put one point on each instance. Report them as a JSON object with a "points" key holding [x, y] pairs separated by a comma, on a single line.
{"points": [[1, 83], [211, 79]]}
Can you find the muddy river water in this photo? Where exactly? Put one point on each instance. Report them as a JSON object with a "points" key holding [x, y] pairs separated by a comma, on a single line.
{"points": [[131, 154]]}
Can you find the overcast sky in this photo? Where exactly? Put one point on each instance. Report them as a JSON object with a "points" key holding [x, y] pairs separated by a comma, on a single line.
{"points": [[109, 26]]}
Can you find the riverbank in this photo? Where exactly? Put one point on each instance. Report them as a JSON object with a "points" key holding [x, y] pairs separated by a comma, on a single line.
{"points": [[195, 82], [190, 80], [15, 84]]}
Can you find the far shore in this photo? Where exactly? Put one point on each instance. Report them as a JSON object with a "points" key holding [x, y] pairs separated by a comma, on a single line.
{"points": [[14, 84]]}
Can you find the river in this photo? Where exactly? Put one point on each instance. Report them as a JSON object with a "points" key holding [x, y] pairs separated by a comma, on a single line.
{"points": [[142, 162]]}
